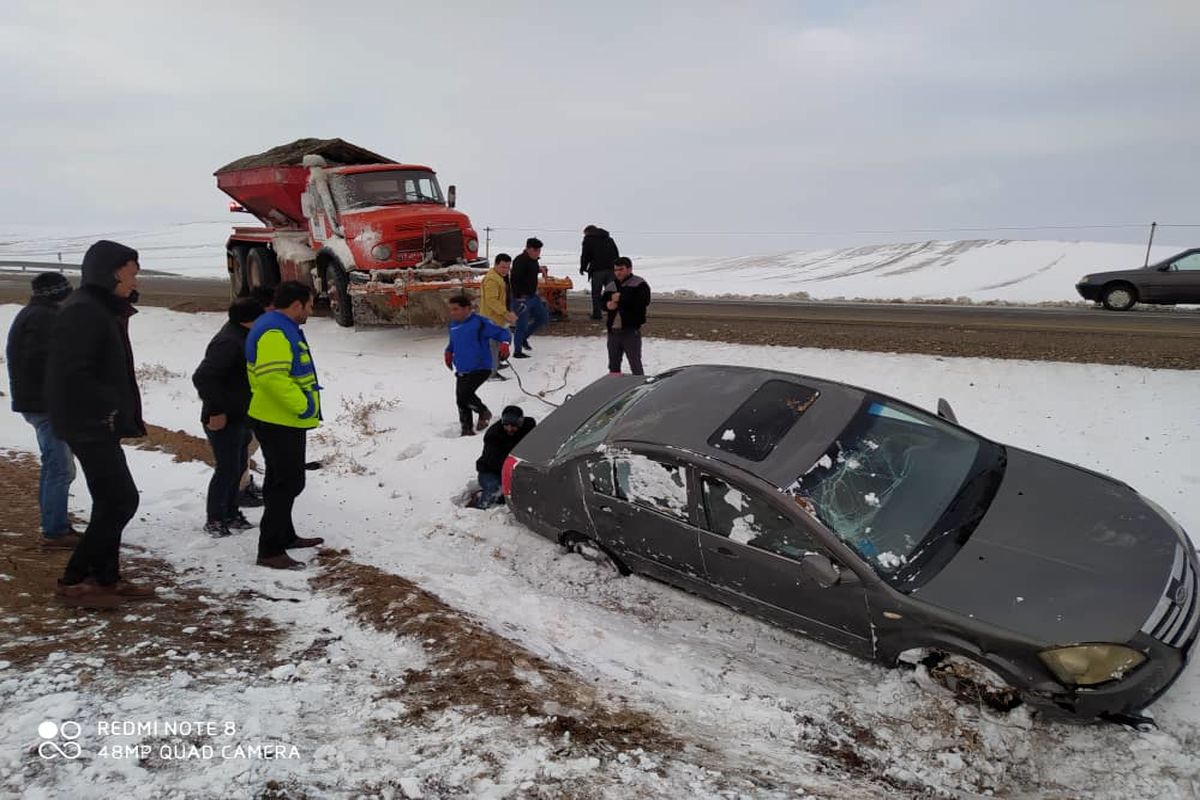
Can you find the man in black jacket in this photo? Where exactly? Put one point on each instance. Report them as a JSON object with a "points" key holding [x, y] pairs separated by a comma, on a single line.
{"points": [[498, 442], [93, 399], [626, 299], [531, 311], [26, 352], [224, 391], [596, 261]]}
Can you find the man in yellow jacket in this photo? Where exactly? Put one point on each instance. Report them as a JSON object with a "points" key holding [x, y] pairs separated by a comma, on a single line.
{"points": [[493, 304], [285, 402]]}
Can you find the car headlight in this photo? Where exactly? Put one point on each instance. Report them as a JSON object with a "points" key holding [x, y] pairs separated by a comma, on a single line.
{"points": [[1089, 664], [473, 245], [381, 252]]}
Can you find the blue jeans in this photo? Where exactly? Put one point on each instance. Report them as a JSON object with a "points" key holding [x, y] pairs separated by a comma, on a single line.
{"points": [[230, 447], [54, 484], [489, 485], [532, 314]]}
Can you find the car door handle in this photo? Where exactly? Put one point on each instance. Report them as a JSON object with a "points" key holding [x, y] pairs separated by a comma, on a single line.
{"points": [[606, 509], [725, 551]]}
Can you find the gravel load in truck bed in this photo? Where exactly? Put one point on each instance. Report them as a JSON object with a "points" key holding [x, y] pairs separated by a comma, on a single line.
{"points": [[336, 151]]}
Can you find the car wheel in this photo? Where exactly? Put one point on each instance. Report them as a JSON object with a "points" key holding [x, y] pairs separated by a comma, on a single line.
{"points": [[970, 682], [1119, 297], [593, 551]]}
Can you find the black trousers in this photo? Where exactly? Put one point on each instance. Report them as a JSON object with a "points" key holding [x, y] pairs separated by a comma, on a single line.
{"points": [[625, 342], [231, 451], [465, 388], [114, 502], [600, 279], [283, 451]]}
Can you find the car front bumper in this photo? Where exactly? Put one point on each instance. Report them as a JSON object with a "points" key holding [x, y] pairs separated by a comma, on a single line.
{"points": [[1088, 291]]}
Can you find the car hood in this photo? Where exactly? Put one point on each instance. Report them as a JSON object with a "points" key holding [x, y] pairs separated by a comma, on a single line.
{"points": [[1116, 274], [1063, 555], [543, 442]]}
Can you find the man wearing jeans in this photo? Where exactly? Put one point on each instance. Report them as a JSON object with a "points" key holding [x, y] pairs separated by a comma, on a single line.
{"points": [[531, 311], [27, 352], [224, 391]]}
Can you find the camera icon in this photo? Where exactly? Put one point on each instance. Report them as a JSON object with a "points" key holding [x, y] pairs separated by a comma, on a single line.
{"points": [[50, 747]]}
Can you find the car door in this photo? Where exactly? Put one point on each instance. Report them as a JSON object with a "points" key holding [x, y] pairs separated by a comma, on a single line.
{"points": [[1176, 281], [641, 508], [753, 547]]}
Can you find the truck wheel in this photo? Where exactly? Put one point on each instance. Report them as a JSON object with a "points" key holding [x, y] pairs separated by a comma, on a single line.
{"points": [[262, 268], [236, 261], [336, 286]]}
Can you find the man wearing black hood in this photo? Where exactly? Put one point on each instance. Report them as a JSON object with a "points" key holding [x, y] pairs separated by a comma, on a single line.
{"points": [[93, 399], [27, 350], [596, 261]]}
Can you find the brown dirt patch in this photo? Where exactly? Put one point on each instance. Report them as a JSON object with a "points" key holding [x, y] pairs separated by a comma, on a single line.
{"points": [[184, 446], [471, 667], [1155, 351], [185, 628]]}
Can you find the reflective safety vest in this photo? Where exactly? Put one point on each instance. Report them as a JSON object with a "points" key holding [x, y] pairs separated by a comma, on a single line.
{"points": [[283, 378]]}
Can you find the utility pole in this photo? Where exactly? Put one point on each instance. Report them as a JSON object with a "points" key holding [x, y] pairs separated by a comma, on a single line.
{"points": [[487, 245], [1153, 225]]}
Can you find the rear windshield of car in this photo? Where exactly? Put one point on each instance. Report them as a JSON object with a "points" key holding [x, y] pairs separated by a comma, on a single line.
{"points": [[596, 427], [763, 420]]}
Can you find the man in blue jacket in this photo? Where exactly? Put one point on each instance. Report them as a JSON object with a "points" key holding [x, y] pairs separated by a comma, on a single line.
{"points": [[469, 355]]}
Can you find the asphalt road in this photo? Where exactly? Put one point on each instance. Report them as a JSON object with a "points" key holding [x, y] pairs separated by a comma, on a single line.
{"points": [[1146, 336]]}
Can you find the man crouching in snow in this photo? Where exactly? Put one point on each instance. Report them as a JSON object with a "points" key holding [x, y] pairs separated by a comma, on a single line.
{"points": [[498, 442], [469, 355]]}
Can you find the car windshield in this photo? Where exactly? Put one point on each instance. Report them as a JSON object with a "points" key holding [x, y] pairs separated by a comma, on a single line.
{"points": [[596, 427], [385, 188], [903, 488]]}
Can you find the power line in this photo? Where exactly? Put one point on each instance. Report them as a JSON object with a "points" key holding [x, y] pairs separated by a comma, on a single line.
{"points": [[864, 232]]}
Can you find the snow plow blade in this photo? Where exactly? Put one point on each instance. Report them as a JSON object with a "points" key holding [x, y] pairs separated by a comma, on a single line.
{"points": [[417, 297]]}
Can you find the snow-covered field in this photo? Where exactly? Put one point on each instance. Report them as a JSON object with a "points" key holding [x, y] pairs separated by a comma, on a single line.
{"points": [[755, 699], [980, 270]]}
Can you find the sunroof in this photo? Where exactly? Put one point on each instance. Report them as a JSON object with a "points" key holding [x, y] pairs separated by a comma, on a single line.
{"points": [[763, 420]]}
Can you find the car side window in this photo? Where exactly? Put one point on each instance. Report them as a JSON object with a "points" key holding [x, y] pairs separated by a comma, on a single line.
{"points": [[600, 473], [1187, 263], [654, 484], [751, 520]]}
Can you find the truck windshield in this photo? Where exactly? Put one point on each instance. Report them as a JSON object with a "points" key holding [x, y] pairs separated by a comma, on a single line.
{"points": [[387, 188]]}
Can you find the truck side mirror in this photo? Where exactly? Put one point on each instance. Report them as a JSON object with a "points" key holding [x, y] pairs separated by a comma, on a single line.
{"points": [[451, 195]]}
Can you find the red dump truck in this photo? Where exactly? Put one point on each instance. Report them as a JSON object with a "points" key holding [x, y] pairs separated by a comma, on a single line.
{"points": [[374, 237]]}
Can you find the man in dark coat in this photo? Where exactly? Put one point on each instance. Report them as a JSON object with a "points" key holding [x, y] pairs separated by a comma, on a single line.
{"points": [[93, 399], [498, 442], [530, 309], [626, 299], [224, 391], [596, 261], [27, 351]]}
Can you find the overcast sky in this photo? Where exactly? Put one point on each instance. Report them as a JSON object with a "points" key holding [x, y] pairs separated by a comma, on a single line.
{"points": [[679, 126]]}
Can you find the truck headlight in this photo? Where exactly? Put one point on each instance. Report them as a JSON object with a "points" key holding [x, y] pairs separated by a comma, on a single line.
{"points": [[381, 252], [473, 245], [1089, 664]]}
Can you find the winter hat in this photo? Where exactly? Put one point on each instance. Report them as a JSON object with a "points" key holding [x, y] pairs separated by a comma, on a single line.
{"points": [[512, 415], [51, 285], [533, 242], [245, 309], [103, 259]]}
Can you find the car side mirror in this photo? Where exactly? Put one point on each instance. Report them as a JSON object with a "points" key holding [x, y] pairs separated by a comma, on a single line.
{"points": [[820, 570], [945, 411], [451, 195]]}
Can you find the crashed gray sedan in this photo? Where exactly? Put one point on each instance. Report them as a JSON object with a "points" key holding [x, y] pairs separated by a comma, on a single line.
{"points": [[874, 526]]}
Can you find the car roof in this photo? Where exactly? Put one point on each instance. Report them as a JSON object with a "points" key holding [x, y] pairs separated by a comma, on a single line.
{"points": [[691, 403]]}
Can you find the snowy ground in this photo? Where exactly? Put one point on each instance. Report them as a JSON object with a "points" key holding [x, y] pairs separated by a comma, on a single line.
{"points": [[769, 714], [980, 270]]}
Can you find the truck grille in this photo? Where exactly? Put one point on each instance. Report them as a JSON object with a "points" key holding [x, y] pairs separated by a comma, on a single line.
{"points": [[1174, 619]]}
